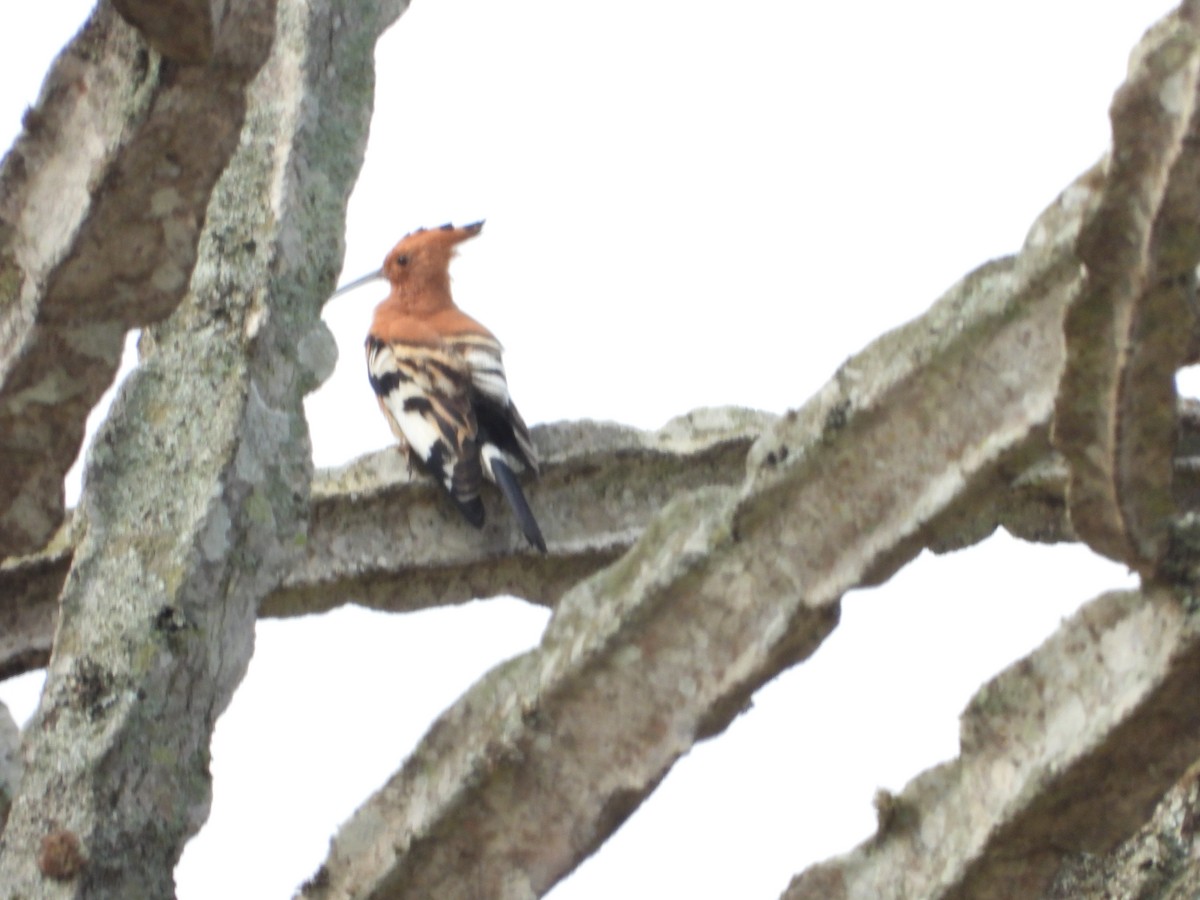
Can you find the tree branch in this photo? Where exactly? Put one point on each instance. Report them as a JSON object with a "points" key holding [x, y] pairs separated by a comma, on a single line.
{"points": [[101, 202], [378, 539], [198, 480], [1130, 329], [383, 538], [1065, 752]]}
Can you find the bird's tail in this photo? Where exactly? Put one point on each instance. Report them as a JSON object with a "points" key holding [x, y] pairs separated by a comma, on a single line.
{"points": [[506, 480]]}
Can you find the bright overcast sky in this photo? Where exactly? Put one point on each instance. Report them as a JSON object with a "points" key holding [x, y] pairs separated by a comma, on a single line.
{"points": [[689, 204]]}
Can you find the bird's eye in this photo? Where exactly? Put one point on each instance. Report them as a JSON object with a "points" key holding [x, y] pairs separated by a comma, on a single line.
{"points": [[402, 260]]}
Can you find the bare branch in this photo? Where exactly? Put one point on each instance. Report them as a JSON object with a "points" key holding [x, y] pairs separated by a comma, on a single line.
{"points": [[1131, 327], [101, 202], [1157, 862], [1066, 751], [382, 537], [602, 483], [197, 484], [378, 539]]}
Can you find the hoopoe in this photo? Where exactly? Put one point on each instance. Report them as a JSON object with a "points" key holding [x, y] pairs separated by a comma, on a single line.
{"points": [[439, 380]]}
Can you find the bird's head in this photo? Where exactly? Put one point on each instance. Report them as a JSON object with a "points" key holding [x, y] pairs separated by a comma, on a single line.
{"points": [[425, 254], [421, 261]]}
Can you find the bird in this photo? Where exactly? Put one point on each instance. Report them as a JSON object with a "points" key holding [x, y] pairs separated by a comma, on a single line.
{"points": [[439, 378]]}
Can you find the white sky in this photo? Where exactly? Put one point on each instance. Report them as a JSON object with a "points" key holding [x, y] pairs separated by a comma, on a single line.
{"points": [[688, 204]]}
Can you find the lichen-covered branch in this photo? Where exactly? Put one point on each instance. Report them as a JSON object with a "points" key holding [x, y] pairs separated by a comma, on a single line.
{"points": [[197, 485], [101, 201], [1157, 863], [381, 540], [1066, 752], [1130, 329], [601, 483]]}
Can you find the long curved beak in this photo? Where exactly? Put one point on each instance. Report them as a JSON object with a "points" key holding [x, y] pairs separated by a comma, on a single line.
{"points": [[357, 282]]}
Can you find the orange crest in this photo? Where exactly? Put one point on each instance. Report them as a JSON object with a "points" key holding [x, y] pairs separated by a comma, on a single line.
{"points": [[425, 254]]}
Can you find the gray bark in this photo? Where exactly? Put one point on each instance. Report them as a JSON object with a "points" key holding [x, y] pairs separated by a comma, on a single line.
{"points": [[198, 481], [101, 203], [380, 535]]}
